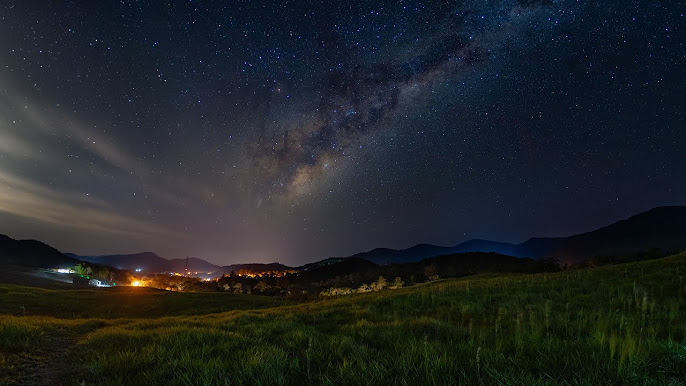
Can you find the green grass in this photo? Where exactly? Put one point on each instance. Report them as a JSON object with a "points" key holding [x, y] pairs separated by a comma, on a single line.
{"points": [[122, 302], [614, 325]]}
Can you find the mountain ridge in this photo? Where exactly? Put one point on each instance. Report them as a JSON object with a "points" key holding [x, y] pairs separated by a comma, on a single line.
{"points": [[661, 227], [31, 252], [658, 228], [151, 262]]}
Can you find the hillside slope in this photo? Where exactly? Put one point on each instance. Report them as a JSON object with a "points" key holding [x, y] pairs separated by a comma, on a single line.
{"points": [[659, 228], [663, 228], [151, 262], [32, 253], [611, 325]]}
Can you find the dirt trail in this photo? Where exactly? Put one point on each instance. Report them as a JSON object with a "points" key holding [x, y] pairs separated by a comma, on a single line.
{"points": [[50, 365]]}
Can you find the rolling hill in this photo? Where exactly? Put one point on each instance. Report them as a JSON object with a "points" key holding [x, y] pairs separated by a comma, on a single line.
{"points": [[256, 267], [151, 262], [384, 256], [660, 228], [612, 325], [32, 253]]}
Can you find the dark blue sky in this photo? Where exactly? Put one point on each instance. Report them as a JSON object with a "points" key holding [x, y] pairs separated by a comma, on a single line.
{"points": [[293, 131]]}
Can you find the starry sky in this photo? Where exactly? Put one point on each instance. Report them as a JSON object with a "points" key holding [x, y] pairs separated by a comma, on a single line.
{"points": [[260, 131]]}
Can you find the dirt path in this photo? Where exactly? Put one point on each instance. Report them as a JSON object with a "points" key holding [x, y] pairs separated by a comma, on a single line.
{"points": [[50, 365]]}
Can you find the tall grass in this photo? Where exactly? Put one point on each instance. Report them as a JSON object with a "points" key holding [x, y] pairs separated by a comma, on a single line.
{"points": [[612, 325], [124, 302]]}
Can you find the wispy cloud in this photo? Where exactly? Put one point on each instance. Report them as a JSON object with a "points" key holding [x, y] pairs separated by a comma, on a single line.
{"points": [[39, 147], [38, 125], [67, 209]]}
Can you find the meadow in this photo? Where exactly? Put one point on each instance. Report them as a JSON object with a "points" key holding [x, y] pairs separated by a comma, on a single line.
{"points": [[612, 325]]}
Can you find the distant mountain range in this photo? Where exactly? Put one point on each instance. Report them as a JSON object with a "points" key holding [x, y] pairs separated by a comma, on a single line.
{"points": [[353, 272], [256, 267], [660, 228], [151, 262]]}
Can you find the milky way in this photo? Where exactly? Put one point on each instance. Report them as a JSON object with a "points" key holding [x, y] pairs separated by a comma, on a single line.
{"points": [[357, 96], [292, 131]]}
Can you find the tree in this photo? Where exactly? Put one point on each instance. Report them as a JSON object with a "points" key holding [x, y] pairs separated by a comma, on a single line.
{"points": [[397, 283], [336, 291], [379, 284], [431, 272], [364, 288], [82, 269], [104, 274], [261, 286]]}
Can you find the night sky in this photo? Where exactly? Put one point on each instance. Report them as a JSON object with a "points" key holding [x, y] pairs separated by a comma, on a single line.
{"points": [[260, 131]]}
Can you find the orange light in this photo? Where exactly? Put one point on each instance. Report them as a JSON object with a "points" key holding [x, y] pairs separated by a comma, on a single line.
{"points": [[136, 283]]}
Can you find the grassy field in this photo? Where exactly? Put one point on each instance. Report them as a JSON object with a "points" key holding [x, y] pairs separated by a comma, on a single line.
{"points": [[122, 302], [614, 325]]}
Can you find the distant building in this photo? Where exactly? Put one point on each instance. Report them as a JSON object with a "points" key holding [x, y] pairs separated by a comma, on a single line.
{"points": [[99, 283], [82, 281]]}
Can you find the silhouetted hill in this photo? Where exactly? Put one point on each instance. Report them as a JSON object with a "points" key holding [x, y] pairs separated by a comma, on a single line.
{"points": [[151, 262], [472, 263], [147, 261], [334, 273], [354, 271], [320, 263], [385, 256], [32, 253], [660, 228], [194, 265], [477, 245], [258, 268], [350, 266]]}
